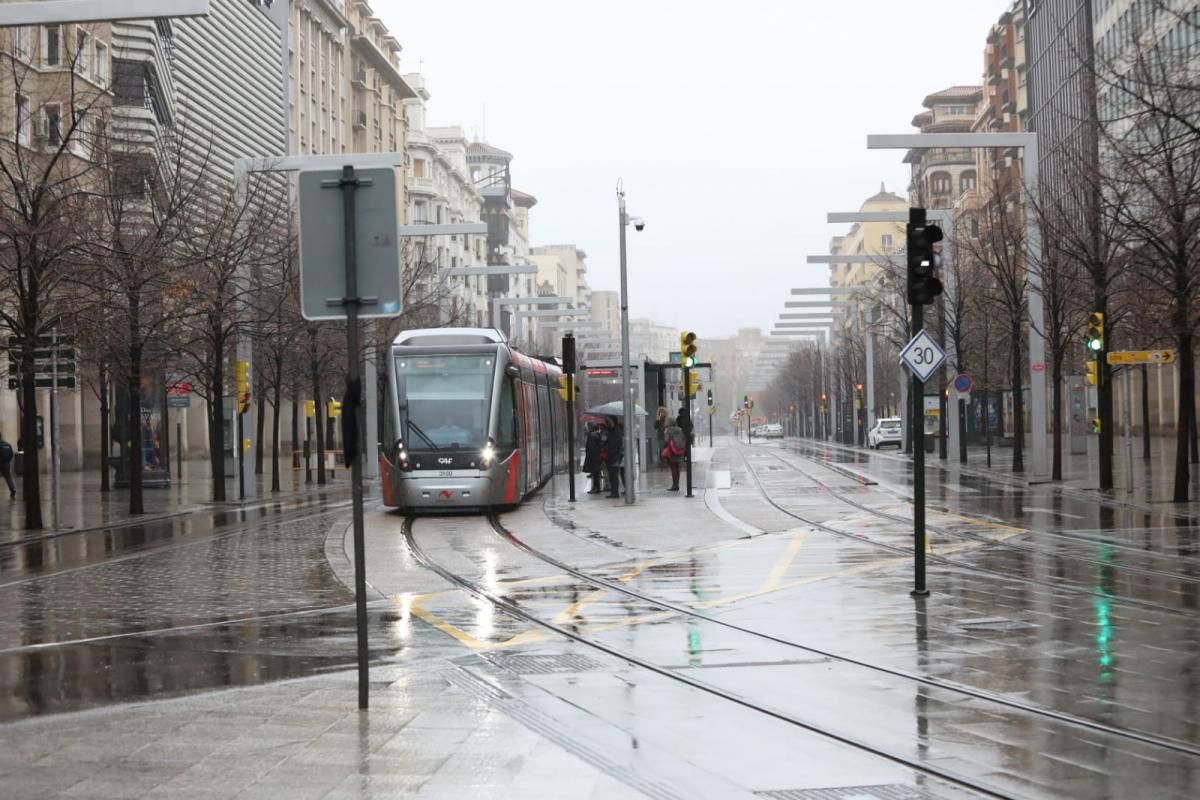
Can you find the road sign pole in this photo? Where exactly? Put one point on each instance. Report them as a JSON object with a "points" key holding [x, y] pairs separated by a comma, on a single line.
{"points": [[687, 438], [348, 184], [710, 426], [179, 445], [918, 438], [568, 351]]}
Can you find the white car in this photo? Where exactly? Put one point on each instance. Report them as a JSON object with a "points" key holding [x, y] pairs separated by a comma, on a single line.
{"points": [[772, 430], [886, 431]]}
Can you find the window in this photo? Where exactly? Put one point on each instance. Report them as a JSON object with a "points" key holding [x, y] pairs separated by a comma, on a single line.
{"points": [[939, 183], [20, 38], [53, 115], [81, 142], [887, 240], [23, 123], [967, 181], [418, 168], [974, 227], [101, 64], [51, 45], [81, 52]]}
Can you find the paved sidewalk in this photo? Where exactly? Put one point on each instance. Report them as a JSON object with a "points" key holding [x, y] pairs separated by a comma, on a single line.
{"points": [[85, 506]]}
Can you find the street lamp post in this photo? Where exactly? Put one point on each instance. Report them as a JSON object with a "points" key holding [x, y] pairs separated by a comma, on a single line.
{"points": [[627, 377]]}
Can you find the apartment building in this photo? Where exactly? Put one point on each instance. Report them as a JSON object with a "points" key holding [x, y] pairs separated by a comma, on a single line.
{"points": [[941, 174]]}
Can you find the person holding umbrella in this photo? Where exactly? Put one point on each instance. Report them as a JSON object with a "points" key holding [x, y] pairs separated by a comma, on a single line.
{"points": [[616, 452], [592, 464]]}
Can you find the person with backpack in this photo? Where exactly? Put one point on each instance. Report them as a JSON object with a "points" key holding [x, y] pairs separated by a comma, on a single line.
{"points": [[662, 420], [6, 459], [673, 451]]}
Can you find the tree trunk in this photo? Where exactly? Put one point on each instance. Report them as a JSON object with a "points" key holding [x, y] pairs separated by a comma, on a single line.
{"points": [[134, 383], [261, 423], [295, 426], [1187, 413], [216, 422], [30, 478], [105, 433], [1145, 412], [1018, 402], [1104, 397], [1056, 427], [276, 400]]}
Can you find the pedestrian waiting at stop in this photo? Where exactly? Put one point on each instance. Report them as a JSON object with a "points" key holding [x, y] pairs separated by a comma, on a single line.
{"points": [[684, 420], [673, 451], [6, 459], [615, 451], [662, 421], [593, 466]]}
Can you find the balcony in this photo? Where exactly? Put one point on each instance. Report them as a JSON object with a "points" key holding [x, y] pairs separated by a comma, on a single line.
{"points": [[359, 78], [1006, 59], [359, 119], [383, 65]]}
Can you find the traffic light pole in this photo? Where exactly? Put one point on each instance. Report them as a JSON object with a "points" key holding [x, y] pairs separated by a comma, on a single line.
{"points": [[710, 426], [917, 422], [568, 351], [687, 435]]}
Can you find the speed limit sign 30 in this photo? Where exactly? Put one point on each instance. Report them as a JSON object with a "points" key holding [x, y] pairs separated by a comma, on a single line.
{"points": [[922, 356]]}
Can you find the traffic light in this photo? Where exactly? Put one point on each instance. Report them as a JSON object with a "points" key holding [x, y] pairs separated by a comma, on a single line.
{"points": [[858, 387], [1095, 332], [693, 386], [242, 374], [710, 397], [1093, 373], [923, 260], [310, 408], [1096, 425], [687, 348], [333, 408], [745, 401], [567, 389]]}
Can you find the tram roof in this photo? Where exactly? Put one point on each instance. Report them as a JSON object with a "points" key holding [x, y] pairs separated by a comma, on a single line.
{"points": [[419, 337]]}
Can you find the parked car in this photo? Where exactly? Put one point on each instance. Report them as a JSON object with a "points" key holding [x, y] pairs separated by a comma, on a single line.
{"points": [[772, 430], [886, 431]]}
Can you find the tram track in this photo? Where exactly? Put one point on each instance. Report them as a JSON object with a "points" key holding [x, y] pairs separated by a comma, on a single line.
{"points": [[938, 559], [974, 537], [515, 610], [951, 686], [799, 451]]}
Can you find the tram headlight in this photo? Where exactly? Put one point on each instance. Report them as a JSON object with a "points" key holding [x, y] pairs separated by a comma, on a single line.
{"points": [[402, 456], [489, 453]]}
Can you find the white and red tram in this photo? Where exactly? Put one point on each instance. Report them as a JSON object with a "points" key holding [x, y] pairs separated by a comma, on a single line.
{"points": [[468, 421]]}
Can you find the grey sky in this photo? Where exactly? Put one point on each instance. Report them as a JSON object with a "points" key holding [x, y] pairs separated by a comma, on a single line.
{"points": [[735, 126]]}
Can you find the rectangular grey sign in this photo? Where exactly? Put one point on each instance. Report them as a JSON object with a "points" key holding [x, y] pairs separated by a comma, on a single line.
{"points": [[323, 249]]}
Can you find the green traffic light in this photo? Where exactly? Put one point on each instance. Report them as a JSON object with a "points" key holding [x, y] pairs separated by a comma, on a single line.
{"points": [[689, 362], [1095, 344]]}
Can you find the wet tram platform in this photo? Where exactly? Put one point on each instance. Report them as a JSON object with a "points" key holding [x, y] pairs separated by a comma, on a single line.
{"points": [[755, 640]]}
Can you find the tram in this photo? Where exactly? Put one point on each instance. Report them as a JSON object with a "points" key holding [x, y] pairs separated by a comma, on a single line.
{"points": [[469, 422]]}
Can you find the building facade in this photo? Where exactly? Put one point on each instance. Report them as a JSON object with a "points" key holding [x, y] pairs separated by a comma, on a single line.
{"points": [[941, 174]]}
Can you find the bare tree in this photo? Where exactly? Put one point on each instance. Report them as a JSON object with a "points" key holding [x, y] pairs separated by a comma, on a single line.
{"points": [[136, 273], [230, 239], [47, 177], [998, 252]]}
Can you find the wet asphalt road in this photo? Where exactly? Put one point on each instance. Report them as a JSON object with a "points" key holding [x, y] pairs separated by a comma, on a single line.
{"points": [[217, 598]]}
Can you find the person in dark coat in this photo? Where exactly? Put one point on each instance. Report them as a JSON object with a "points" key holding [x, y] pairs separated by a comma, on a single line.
{"points": [[684, 420], [6, 459], [616, 451], [592, 464]]}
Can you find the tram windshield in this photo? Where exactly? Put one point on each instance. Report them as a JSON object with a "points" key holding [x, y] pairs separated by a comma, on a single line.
{"points": [[448, 400]]}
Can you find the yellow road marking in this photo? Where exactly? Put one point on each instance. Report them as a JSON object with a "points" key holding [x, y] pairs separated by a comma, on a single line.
{"points": [[572, 611], [785, 561]]}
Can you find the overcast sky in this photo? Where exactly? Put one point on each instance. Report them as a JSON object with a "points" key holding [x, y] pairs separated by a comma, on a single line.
{"points": [[735, 125]]}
